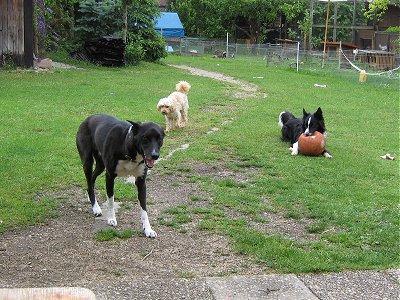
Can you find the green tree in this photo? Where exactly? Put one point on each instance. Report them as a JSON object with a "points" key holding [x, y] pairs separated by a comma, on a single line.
{"points": [[97, 19], [377, 9], [213, 18], [143, 42]]}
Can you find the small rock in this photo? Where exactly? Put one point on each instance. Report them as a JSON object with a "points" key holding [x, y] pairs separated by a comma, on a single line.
{"points": [[387, 156], [45, 63], [320, 85]]}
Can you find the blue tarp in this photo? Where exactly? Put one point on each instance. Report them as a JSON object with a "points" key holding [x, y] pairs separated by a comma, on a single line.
{"points": [[169, 25]]}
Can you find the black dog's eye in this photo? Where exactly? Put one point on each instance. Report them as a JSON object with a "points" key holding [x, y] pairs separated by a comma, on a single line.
{"points": [[146, 140]]}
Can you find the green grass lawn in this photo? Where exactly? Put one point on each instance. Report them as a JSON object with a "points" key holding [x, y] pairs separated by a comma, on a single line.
{"points": [[41, 113], [353, 198], [355, 194]]}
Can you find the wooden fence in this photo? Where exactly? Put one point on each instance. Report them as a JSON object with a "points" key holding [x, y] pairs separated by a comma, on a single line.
{"points": [[16, 31]]}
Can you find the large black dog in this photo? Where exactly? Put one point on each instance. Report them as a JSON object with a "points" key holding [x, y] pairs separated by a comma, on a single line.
{"points": [[293, 127], [122, 148]]}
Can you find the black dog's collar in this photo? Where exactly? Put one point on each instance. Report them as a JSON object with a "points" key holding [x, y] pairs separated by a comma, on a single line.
{"points": [[129, 157]]}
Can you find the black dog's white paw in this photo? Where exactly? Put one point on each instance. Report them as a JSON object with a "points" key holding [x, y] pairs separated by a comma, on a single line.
{"points": [[97, 210], [112, 222], [148, 232]]}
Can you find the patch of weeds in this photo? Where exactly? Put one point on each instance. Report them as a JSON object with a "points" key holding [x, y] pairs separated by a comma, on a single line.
{"points": [[196, 198], [186, 274], [178, 215], [249, 208], [111, 233], [180, 209], [167, 172], [170, 223], [207, 224], [221, 252], [212, 223], [194, 178], [228, 272], [215, 212], [293, 215], [316, 227], [249, 163], [270, 208], [230, 183], [184, 169], [7, 61], [175, 184], [183, 218], [126, 205], [117, 273], [259, 219]]}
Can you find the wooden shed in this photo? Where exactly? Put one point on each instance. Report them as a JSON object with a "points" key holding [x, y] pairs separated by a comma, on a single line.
{"points": [[16, 31]]}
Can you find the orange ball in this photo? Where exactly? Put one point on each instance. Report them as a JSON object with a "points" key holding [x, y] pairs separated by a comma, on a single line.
{"points": [[312, 144]]}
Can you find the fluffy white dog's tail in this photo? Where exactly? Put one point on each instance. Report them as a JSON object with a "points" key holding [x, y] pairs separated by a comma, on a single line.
{"points": [[183, 87]]}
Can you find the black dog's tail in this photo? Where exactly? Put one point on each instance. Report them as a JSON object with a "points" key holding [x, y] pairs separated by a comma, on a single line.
{"points": [[284, 117]]}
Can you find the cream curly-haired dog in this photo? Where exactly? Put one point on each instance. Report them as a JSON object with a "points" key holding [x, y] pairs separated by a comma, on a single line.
{"points": [[175, 107]]}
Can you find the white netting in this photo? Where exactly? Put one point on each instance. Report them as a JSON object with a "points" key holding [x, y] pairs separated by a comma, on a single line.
{"points": [[388, 72]]}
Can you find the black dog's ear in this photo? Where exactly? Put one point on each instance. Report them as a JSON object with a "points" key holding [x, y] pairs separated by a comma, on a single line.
{"points": [[135, 126], [318, 113], [305, 114]]}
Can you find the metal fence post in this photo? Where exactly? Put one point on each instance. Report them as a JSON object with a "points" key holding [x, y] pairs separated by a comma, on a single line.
{"points": [[298, 55], [227, 46]]}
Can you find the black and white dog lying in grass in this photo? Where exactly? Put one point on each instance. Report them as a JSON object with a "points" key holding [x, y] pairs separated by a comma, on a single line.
{"points": [[293, 127], [122, 148]]}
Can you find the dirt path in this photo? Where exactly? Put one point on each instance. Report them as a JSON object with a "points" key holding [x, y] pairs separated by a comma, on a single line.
{"points": [[65, 253], [247, 89]]}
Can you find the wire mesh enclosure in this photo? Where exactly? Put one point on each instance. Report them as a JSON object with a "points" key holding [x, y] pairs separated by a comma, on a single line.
{"points": [[375, 62]]}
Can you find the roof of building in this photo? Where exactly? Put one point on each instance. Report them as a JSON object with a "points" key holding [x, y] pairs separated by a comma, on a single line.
{"points": [[169, 25]]}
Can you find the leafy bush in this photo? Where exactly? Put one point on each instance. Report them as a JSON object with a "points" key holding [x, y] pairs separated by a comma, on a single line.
{"points": [[146, 45], [59, 24], [154, 46], [143, 42], [134, 52]]}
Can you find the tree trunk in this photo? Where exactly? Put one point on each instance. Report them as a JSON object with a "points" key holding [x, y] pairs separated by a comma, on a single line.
{"points": [[125, 17]]}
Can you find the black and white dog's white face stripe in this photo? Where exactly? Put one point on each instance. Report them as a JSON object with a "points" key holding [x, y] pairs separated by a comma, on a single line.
{"points": [[307, 131], [313, 122]]}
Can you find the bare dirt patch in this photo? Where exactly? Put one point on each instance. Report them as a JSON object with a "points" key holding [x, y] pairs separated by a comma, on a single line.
{"points": [[289, 228], [63, 252], [219, 171]]}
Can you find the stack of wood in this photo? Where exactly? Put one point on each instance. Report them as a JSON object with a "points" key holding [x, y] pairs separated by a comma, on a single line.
{"points": [[105, 51]]}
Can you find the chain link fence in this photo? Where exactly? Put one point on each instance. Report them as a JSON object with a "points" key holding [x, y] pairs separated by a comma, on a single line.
{"points": [[377, 64]]}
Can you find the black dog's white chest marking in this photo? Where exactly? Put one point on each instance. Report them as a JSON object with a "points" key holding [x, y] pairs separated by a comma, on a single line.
{"points": [[134, 168]]}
